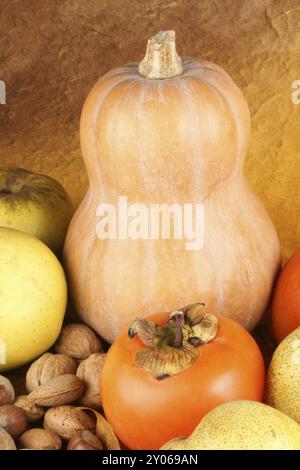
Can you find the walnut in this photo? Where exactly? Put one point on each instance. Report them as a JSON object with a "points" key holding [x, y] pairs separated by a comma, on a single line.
{"points": [[78, 341], [47, 367], [89, 371]]}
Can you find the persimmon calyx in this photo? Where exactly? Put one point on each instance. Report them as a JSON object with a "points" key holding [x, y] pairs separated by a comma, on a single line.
{"points": [[173, 347]]}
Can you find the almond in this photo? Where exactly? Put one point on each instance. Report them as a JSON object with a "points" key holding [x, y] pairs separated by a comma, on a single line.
{"points": [[33, 412], [39, 439], [66, 421]]}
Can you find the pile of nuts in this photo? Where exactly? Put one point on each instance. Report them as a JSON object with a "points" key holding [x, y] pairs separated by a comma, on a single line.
{"points": [[46, 418]]}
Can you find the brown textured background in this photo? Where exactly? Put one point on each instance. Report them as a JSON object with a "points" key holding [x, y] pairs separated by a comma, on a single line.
{"points": [[52, 52]]}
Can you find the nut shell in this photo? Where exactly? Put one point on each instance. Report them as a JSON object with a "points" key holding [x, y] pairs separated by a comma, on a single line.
{"points": [[85, 440], [33, 412], [78, 341], [6, 441], [13, 420], [65, 421], [47, 367], [7, 392], [39, 439], [89, 371], [61, 390]]}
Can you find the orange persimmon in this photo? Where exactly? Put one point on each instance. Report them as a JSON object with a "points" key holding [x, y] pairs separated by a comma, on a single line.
{"points": [[146, 410], [286, 299]]}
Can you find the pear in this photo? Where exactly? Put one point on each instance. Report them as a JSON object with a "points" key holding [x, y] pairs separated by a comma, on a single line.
{"points": [[241, 425], [283, 378]]}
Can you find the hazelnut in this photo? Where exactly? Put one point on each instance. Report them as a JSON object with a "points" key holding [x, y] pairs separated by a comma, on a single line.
{"points": [[7, 393], [58, 391], [78, 341], [85, 440], [33, 412], [39, 439], [47, 367], [13, 420], [6, 441], [66, 420], [89, 371]]}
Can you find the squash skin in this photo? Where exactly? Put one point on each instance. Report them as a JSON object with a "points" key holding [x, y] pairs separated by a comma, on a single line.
{"points": [[164, 141]]}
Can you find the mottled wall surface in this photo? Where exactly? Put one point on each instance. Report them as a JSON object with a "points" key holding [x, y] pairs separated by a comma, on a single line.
{"points": [[52, 52]]}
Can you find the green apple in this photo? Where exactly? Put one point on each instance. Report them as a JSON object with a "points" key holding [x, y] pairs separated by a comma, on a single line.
{"points": [[35, 204], [33, 298]]}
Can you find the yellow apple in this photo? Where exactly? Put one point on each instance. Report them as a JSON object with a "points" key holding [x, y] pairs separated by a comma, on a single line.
{"points": [[35, 204], [33, 297]]}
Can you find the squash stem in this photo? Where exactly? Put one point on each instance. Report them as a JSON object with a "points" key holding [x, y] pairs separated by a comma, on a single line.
{"points": [[161, 60]]}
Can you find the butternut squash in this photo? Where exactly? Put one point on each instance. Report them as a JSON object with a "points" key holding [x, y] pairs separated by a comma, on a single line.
{"points": [[169, 131]]}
